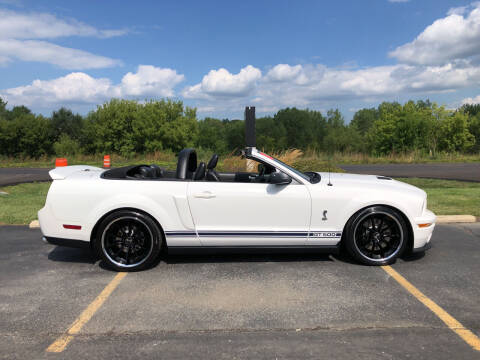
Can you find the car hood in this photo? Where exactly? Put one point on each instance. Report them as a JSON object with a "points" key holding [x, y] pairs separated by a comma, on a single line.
{"points": [[368, 181]]}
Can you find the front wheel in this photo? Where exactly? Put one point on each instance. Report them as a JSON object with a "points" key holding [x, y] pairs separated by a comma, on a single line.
{"points": [[376, 235], [128, 240]]}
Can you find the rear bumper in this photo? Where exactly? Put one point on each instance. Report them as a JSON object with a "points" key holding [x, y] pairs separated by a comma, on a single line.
{"points": [[52, 227], [80, 244]]}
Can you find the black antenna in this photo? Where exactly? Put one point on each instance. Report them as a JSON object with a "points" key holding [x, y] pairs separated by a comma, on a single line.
{"points": [[329, 170], [250, 138]]}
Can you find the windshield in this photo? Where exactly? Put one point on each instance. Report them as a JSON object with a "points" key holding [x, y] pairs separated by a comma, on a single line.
{"points": [[306, 177]]}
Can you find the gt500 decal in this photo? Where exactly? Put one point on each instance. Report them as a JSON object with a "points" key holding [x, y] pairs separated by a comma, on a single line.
{"points": [[326, 234]]}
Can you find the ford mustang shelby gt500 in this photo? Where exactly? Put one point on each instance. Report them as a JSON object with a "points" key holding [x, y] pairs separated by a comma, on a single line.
{"points": [[128, 215]]}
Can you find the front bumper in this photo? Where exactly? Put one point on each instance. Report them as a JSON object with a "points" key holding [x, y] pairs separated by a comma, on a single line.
{"points": [[425, 247], [423, 235]]}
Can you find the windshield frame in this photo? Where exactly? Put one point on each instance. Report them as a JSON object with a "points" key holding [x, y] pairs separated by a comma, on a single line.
{"points": [[278, 164], [292, 169]]}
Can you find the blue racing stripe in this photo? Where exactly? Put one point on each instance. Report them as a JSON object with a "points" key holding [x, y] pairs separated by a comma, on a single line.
{"points": [[287, 234]]}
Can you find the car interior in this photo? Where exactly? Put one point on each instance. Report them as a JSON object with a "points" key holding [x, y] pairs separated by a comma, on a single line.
{"points": [[188, 169]]}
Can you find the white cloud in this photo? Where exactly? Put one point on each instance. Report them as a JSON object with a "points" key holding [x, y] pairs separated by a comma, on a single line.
{"points": [[318, 86], [222, 83], [79, 87], [42, 51], [74, 87], [20, 34], [475, 100], [283, 72], [15, 25], [150, 80], [460, 10], [398, 1], [448, 39]]}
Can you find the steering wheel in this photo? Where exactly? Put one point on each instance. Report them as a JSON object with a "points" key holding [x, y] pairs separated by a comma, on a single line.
{"points": [[261, 169]]}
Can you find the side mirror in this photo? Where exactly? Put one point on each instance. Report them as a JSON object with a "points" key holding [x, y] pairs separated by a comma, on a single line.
{"points": [[280, 178]]}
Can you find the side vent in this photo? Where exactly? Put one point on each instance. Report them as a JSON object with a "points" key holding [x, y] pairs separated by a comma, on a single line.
{"points": [[384, 178]]}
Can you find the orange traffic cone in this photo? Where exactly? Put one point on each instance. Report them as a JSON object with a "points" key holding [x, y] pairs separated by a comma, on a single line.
{"points": [[106, 161], [60, 162]]}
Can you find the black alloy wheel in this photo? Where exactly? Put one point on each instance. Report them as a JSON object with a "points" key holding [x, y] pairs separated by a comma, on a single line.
{"points": [[376, 235], [128, 240]]}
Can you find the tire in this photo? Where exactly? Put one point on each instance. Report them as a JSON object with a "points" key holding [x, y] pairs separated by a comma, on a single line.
{"points": [[376, 235], [128, 240]]}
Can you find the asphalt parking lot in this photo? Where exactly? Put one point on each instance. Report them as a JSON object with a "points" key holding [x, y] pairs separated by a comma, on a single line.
{"points": [[242, 306]]}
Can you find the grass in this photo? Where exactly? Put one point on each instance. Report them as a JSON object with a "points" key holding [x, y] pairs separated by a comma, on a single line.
{"points": [[445, 197], [22, 203], [414, 157], [448, 197], [228, 163], [168, 159]]}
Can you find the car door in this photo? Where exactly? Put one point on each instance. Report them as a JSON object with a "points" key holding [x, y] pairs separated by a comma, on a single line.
{"points": [[250, 214]]}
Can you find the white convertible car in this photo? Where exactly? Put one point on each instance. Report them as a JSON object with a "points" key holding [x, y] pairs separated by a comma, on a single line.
{"points": [[128, 215]]}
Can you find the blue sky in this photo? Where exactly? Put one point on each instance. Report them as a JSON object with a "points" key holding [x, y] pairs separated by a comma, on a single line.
{"points": [[220, 56]]}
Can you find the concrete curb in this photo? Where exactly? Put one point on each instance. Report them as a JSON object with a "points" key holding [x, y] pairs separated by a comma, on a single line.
{"points": [[34, 224], [448, 219]]}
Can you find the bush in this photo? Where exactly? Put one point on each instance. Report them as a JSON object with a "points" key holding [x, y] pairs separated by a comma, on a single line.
{"points": [[66, 146]]}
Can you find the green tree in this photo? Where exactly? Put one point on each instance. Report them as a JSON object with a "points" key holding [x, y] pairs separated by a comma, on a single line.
{"points": [[304, 128], [363, 120], [64, 121], [212, 135], [3, 109], [18, 111], [127, 127], [235, 134], [26, 135], [271, 135], [454, 134]]}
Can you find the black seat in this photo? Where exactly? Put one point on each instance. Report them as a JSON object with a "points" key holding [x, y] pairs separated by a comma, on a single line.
{"points": [[146, 172], [200, 172], [158, 171], [212, 175]]}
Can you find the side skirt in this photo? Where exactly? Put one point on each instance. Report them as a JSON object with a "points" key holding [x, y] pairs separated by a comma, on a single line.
{"points": [[253, 249]]}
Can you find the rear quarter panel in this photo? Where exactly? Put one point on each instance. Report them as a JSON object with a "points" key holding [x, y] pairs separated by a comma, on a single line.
{"points": [[84, 201]]}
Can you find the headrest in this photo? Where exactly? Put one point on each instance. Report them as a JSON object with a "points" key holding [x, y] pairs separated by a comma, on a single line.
{"points": [[187, 163], [200, 172], [213, 162]]}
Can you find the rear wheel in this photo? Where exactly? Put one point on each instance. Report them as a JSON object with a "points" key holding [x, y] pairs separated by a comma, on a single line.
{"points": [[128, 240], [376, 235]]}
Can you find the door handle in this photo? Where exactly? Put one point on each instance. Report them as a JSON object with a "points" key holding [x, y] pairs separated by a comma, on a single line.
{"points": [[204, 195]]}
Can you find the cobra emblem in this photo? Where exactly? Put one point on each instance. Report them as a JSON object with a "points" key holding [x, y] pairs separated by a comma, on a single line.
{"points": [[324, 215]]}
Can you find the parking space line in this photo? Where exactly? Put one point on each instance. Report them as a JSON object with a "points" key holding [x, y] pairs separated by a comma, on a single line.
{"points": [[61, 343], [469, 337]]}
